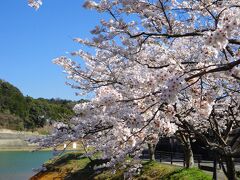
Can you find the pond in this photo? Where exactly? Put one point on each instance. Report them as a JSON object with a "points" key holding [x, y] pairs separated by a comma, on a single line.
{"points": [[18, 165]]}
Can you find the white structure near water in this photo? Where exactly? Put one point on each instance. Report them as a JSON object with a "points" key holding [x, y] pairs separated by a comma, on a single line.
{"points": [[74, 145]]}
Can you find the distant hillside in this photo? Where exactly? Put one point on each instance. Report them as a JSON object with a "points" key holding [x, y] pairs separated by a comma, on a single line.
{"points": [[26, 113]]}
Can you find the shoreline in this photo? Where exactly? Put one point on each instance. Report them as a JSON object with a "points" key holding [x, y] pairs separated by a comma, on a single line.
{"points": [[11, 140], [23, 150], [34, 149], [10, 131]]}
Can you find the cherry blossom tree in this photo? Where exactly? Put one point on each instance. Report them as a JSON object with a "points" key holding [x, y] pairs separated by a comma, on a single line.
{"points": [[159, 66], [219, 131]]}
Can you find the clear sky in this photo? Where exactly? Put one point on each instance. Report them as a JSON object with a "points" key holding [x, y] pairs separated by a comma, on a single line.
{"points": [[30, 39]]}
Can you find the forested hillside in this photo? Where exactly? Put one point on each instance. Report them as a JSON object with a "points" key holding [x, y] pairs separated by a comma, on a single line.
{"points": [[26, 113]]}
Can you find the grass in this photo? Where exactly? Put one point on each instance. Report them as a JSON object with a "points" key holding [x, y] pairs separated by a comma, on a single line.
{"points": [[238, 174], [154, 170], [70, 166], [188, 174]]}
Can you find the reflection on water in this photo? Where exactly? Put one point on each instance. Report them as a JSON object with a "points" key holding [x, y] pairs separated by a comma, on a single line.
{"points": [[18, 165]]}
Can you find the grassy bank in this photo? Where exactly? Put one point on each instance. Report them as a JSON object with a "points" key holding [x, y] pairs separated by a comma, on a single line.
{"points": [[71, 167]]}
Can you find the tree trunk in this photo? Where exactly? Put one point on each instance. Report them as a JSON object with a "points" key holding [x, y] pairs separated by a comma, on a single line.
{"points": [[188, 153], [231, 173], [185, 140], [151, 150]]}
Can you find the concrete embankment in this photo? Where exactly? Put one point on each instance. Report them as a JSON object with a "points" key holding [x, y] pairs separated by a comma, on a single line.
{"points": [[16, 140]]}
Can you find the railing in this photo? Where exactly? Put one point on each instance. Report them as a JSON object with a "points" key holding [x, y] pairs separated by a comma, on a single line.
{"points": [[175, 157], [172, 157]]}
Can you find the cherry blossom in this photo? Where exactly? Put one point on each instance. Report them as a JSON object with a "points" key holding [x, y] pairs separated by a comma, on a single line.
{"points": [[159, 67], [35, 3]]}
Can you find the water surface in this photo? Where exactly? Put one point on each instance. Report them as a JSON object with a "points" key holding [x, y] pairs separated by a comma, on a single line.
{"points": [[18, 165]]}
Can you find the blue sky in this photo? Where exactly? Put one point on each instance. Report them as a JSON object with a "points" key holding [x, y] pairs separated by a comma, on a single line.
{"points": [[30, 39]]}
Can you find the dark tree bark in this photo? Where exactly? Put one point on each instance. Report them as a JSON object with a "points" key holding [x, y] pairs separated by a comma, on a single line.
{"points": [[188, 154], [151, 150], [231, 172], [185, 139], [189, 158]]}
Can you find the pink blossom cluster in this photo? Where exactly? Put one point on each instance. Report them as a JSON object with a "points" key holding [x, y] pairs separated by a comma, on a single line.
{"points": [[35, 3], [173, 86], [228, 28]]}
